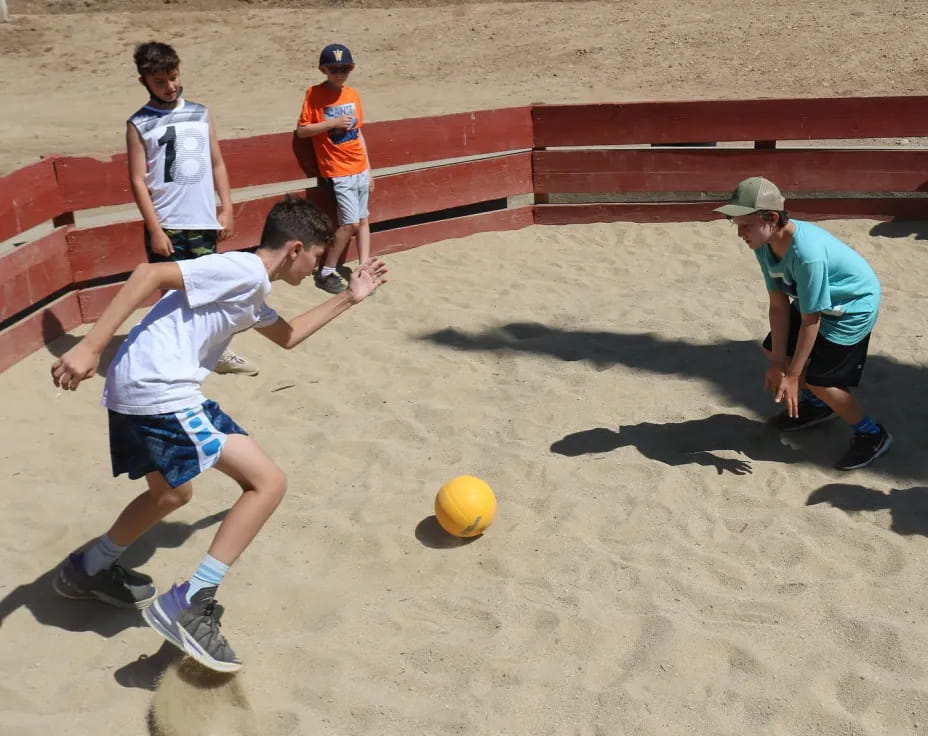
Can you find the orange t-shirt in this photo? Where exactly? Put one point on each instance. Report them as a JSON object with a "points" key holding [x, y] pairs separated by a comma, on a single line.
{"points": [[338, 152]]}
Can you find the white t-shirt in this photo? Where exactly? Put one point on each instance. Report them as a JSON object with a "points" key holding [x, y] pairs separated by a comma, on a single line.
{"points": [[178, 165], [165, 358]]}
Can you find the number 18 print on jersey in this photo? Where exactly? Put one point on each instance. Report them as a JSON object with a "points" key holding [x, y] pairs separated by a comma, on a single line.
{"points": [[179, 171]]}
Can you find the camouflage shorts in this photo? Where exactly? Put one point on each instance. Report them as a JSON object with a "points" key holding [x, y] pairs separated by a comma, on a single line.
{"points": [[187, 244]]}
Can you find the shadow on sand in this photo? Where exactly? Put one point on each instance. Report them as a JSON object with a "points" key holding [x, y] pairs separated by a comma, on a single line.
{"points": [[896, 394], [908, 507], [49, 609]]}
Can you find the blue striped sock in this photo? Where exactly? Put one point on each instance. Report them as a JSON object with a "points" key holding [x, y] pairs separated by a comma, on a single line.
{"points": [[866, 426], [810, 398], [208, 575], [102, 555]]}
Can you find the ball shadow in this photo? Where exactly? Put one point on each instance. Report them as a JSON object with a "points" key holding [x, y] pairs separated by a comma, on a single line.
{"points": [[430, 534]]}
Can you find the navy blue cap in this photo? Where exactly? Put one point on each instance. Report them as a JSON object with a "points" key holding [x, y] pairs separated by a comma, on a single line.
{"points": [[335, 53]]}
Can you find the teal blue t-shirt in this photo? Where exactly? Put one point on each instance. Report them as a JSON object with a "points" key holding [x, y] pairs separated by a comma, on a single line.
{"points": [[823, 274]]}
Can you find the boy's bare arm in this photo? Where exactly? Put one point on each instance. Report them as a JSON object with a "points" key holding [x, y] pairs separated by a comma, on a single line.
{"points": [[135, 149], [778, 314], [343, 122], [221, 184], [81, 361], [289, 334]]}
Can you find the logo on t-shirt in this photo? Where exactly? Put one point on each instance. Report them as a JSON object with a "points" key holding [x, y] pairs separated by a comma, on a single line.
{"points": [[336, 111]]}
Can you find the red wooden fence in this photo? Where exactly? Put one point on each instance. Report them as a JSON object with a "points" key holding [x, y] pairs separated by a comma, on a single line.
{"points": [[50, 285]]}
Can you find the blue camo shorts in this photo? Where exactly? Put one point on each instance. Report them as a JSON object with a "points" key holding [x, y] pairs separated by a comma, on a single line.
{"points": [[180, 446]]}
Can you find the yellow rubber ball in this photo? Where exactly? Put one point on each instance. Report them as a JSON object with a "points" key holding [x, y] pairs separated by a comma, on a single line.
{"points": [[465, 506]]}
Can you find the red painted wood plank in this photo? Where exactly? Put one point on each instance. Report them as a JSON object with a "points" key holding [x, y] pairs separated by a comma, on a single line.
{"points": [[810, 209], [250, 215], [697, 170], [398, 142], [404, 238], [581, 214], [440, 187], [38, 329], [268, 159], [730, 120], [106, 250], [87, 183], [875, 208], [94, 300], [282, 157], [28, 197], [33, 271]]}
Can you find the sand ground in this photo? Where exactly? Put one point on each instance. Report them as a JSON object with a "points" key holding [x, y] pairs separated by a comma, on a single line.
{"points": [[662, 563]]}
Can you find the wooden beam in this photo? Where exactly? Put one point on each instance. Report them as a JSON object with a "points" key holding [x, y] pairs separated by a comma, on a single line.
{"points": [[809, 209], [730, 120], [454, 185], [419, 140], [93, 301], [106, 250], [33, 272], [86, 183], [38, 329], [28, 197], [700, 170], [404, 238]]}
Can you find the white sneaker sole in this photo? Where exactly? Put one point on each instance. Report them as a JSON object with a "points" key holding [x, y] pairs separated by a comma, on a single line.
{"points": [[154, 616]]}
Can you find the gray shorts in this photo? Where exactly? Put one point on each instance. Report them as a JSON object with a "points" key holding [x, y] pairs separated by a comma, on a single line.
{"points": [[351, 195]]}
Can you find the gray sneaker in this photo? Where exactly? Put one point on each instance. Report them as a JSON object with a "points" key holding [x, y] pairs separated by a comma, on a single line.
{"points": [[193, 627], [117, 586], [331, 283]]}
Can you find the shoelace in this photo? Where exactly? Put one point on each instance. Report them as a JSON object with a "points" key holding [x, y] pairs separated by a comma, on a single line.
{"points": [[118, 573], [233, 359], [212, 616]]}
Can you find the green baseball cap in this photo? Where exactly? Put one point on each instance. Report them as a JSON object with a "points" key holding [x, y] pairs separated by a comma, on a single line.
{"points": [[753, 195]]}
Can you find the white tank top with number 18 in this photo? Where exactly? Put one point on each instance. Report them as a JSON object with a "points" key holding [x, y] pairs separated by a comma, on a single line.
{"points": [[179, 173]]}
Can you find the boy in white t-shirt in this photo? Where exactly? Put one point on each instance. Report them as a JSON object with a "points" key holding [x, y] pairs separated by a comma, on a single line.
{"points": [[163, 428], [176, 170]]}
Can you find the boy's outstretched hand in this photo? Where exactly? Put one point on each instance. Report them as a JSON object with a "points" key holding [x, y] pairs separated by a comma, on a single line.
{"points": [[76, 365], [371, 274]]}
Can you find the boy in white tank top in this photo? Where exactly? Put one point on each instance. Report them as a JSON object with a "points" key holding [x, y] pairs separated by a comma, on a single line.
{"points": [[175, 166]]}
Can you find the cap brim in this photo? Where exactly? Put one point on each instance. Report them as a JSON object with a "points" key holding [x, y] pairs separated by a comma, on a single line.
{"points": [[734, 210]]}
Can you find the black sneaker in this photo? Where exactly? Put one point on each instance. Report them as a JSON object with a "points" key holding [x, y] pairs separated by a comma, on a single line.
{"points": [[193, 627], [864, 449], [117, 586], [809, 416], [331, 283]]}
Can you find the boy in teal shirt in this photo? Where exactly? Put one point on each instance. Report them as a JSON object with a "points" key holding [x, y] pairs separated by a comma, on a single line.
{"points": [[824, 301]]}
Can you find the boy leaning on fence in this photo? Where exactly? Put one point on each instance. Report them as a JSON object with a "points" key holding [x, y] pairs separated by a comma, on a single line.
{"points": [[175, 166], [332, 118]]}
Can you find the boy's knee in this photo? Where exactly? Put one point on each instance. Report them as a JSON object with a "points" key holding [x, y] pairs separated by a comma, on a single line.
{"points": [[174, 498], [276, 486]]}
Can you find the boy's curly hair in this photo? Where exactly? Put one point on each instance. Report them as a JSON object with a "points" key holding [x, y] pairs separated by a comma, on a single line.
{"points": [[295, 218], [155, 58]]}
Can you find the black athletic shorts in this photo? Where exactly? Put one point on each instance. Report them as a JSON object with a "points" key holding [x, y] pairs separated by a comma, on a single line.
{"points": [[830, 364]]}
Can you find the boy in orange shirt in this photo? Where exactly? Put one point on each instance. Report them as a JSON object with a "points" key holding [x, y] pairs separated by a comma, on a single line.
{"points": [[332, 117]]}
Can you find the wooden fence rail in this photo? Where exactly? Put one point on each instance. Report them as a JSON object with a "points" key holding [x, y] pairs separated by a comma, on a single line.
{"points": [[54, 283]]}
